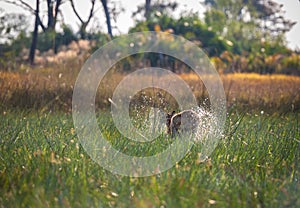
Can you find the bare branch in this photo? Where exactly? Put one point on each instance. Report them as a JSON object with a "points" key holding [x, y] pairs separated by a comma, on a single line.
{"points": [[58, 4], [91, 12], [27, 7], [41, 24], [75, 11], [90, 15], [21, 4]]}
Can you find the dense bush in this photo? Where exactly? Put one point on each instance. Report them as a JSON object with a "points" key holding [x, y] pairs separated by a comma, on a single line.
{"points": [[258, 63], [190, 27]]}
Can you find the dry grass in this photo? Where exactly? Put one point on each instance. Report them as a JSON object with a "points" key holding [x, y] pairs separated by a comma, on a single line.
{"points": [[52, 88], [266, 91], [254, 91]]}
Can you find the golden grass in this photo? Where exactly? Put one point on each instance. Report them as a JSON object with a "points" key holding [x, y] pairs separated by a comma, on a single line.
{"points": [[52, 88], [273, 92], [266, 91]]}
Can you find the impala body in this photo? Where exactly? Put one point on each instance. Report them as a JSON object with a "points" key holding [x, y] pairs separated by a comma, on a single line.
{"points": [[186, 121]]}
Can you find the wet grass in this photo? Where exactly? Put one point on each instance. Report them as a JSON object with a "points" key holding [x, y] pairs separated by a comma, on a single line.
{"points": [[256, 164], [42, 163]]}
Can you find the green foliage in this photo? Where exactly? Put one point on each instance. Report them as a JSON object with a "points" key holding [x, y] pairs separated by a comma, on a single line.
{"points": [[9, 52], [249, 24], [6, 57], [140, 26], [215, 19], [259, 62], [53, 40], [66, 37], [190, 27], [100, 39], [14, 38], [193, 29], [271, 49], [251, 31], [256, 164], [291, 64], [151, 9]]}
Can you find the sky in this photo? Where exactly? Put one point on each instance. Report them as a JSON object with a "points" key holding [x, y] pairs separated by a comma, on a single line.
{"points": [[124, 21]]}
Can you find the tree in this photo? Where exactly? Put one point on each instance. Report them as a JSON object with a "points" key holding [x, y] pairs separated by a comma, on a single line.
{"points": [[249, 24], [190, 27], [53, 9], [147, 9], [35, 33], [270, 15], [216, 19], [11, 25], [13, 32], [151, 10], [84, 24], [107, 16]]}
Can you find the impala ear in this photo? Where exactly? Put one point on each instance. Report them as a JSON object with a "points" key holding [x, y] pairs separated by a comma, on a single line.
{"points": [[169, 115]]}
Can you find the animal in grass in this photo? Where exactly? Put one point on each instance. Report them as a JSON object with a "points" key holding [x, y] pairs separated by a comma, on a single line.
{"points": [[186, 121]]}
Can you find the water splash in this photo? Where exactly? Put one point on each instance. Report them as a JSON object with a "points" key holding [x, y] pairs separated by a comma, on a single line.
{"points": [[204, 127], [154, 125], [208, 132]]}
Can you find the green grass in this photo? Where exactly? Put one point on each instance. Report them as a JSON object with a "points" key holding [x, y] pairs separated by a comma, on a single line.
{"points": [[256, 164]]}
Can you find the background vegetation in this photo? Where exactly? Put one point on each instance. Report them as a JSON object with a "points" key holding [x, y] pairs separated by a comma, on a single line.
{"points": [[239, 36], [256, 163]]}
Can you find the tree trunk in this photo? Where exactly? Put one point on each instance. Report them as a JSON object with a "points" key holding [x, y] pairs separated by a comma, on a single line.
{"points": [[106, 11], [50, 14], [34, 34], [147, 9]]}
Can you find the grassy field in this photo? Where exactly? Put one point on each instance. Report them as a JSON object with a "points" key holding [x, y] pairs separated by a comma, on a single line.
{"points": [[42, 164], [51, 89], [256, 164]]}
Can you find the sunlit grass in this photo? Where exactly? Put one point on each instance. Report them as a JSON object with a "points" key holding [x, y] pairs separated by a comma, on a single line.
{"points": [[256, 164], [52, 89], [42, 164]]}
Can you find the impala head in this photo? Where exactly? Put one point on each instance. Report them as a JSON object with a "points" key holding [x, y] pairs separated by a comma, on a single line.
{"points": [[168, 121]]}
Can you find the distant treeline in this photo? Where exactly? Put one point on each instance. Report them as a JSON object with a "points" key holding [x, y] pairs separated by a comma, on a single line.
{"points": [[238, 36]]}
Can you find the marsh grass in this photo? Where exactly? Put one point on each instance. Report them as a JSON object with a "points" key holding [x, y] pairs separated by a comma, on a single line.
{"points": [[256, 164], [52, 89], [42, 164]]}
